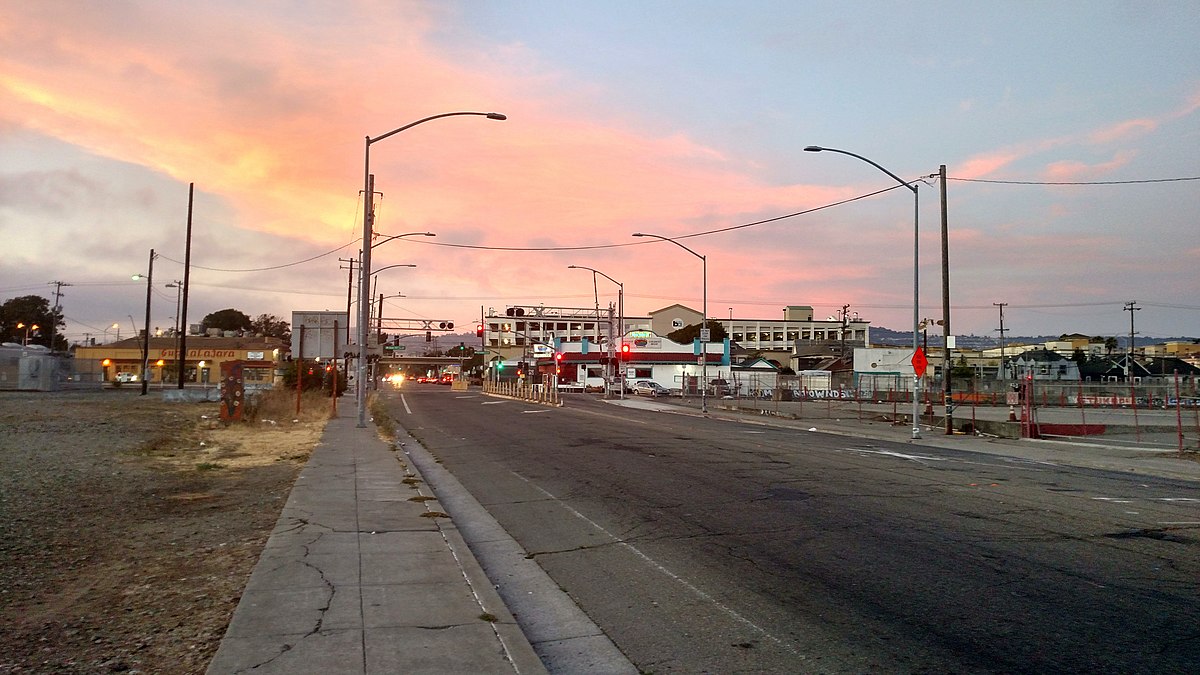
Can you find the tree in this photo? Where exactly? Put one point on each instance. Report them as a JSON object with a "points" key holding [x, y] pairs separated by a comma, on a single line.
{"points": [[226, 319], [272, 326], [690, 333], [31, 310]]}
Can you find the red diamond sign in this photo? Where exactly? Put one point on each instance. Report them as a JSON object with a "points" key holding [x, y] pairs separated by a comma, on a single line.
{"points": [[919, 362]]}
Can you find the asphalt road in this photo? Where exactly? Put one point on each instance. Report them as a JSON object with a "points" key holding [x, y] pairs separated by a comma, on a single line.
{"points": [[701, 545]]}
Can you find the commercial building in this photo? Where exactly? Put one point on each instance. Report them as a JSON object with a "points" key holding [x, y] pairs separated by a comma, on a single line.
{"points": [[527, 331], [104, 363]]}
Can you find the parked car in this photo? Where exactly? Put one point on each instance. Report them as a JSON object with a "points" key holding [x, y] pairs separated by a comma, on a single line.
{"points": [[648, 388], [127, 377]]}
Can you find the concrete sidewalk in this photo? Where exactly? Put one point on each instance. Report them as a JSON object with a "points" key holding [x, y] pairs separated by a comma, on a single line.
{"points": [[358, 578]]}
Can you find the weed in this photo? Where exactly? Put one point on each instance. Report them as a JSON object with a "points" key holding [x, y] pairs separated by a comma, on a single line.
{"points": [[209, 466], [435, 514], [383, 421], [488, 617], [422, 498]]}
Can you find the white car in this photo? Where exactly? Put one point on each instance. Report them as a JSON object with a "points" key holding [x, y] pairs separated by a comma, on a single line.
{"points": [[648, 388]]}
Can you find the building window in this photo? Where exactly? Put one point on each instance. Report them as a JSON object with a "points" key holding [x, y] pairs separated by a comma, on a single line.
{"points": [[737, 337], [560, 326], [779, 336], [643, 373]]}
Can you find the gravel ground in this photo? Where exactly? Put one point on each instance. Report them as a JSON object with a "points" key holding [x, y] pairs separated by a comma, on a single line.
{"points": [[129, 526]]}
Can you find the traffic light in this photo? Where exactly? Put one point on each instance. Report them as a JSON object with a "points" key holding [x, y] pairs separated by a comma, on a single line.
{"points": [[558, 357], [446, 325], [624, 352], [479, 331], [429, 336]]}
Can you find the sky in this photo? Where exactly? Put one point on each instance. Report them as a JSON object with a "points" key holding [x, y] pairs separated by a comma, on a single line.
{"points": [[1069, 132]]}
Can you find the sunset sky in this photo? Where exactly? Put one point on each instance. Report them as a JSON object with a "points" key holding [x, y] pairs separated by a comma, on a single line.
{"points": [[1070, 132]]}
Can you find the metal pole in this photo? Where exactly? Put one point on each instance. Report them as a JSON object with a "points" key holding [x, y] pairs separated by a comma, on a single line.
{"points": [[146, 337], [364, 285], [916, 430], [704, 343], [947, 384], [621, 334], [187, 274]]}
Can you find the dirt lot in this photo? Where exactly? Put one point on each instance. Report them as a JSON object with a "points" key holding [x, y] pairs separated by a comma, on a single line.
{"points": [[128, 526]]}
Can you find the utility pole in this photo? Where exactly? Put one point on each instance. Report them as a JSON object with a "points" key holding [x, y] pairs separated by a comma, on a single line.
{"points": [[181, 351], [1001, 305], [947, 396], [1130, 307], [842, 348], [55, 312], [351, 264]]}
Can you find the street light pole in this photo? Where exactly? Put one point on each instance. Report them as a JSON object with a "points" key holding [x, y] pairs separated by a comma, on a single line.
{"points": [[703, 323], [916, 428], [620, 311], [365, 266], [146, 336]]}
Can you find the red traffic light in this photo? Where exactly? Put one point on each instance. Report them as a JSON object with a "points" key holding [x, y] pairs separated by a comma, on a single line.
{"points": [[624, 352], [558, 356]]}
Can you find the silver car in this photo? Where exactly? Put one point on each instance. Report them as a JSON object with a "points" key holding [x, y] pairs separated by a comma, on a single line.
{"points": [[648, 388]]}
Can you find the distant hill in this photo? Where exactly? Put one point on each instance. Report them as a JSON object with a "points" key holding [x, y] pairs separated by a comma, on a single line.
{"points": [[894, 338]]}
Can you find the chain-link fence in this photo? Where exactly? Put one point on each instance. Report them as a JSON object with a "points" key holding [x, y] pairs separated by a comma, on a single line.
{"points": [[1161, 413]]}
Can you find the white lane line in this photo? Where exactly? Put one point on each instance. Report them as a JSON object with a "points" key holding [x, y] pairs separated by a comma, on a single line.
{"points": [[531, 412], [901, 455], [660, 568], [493, 402], [405, 402], [1114, 500], [1174, 499]]}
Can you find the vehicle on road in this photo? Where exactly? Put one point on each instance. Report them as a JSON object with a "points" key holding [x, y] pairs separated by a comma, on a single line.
{"points": [[649, 388]]}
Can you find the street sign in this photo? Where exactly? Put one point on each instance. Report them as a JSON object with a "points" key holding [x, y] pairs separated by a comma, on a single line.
{"points": [[394, 348], [705, 334], [919, 362]]}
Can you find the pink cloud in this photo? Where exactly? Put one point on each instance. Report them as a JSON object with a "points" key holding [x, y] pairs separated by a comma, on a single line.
{"points": [[1123, 130], [1071, 170]]}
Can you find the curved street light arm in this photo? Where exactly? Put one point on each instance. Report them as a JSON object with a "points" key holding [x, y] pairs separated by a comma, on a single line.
{"points": [[391, 266], [659, 236], [818, 148], [398, 236], [489, 115], [581, 267]]}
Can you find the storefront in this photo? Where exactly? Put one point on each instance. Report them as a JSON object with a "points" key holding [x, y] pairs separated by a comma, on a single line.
{"points": [[122, 361]]}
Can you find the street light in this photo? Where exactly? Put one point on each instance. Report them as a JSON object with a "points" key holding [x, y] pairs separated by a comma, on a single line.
{"points": [[21, 325], [704, 334], [365, 265], [620, 312], [178, 286], [149, 277], [916, 430], [376, 272]]}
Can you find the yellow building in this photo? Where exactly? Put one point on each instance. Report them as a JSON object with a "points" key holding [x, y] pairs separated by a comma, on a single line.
{"points": [[123, 359]]}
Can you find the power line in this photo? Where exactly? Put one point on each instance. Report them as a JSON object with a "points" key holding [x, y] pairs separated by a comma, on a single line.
{"points": [[265, 269], [1085, 182]]}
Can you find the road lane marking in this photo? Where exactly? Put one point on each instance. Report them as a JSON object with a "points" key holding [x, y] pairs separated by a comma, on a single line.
{"points": [[901, 455], [493, 402], [532, 412], [405, 402]]}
